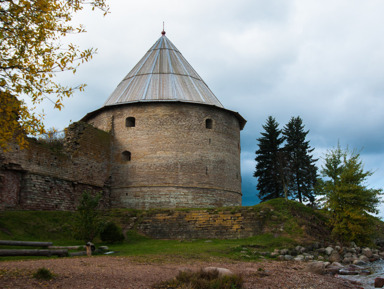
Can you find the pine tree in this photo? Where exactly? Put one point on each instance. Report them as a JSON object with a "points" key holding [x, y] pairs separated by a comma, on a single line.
{"points": [[268, 172], [302, 168], [346, 197]]}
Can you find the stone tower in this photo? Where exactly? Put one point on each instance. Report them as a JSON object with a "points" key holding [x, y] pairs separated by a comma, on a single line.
{"points": [[174, 144]]}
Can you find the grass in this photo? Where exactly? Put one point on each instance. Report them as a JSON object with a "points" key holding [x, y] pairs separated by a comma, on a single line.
{"points": [[43, 274], [142, 247]]}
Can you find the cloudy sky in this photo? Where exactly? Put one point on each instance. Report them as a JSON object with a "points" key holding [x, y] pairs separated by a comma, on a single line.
{"points": [[320, 60]]}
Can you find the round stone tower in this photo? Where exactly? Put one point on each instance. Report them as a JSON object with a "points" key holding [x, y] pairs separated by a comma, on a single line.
{"points": [[175, 145]]}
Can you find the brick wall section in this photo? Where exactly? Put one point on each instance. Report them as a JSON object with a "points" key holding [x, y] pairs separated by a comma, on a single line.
{"points": [[53, 177], [175, 160]]}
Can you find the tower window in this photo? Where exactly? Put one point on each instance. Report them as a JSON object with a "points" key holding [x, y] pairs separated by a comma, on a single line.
{"points": [[130, 122], [208, 123], [126, 156]]}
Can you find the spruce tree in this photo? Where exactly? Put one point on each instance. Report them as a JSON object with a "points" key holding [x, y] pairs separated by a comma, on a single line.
{"points": [[301, 164], [268, 172], [346, 197]]}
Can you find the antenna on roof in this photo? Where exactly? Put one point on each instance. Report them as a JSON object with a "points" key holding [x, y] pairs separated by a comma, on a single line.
{"points": [[163, 32]]}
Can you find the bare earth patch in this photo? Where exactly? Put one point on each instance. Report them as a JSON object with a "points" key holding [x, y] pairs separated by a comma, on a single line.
{"points": [[125, 272]]}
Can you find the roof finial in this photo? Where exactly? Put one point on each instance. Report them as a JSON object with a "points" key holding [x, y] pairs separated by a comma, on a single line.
{"points": [[163, 32]]}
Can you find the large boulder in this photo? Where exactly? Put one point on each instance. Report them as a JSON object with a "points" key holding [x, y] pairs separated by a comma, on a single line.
{"points": [[316, 267]]}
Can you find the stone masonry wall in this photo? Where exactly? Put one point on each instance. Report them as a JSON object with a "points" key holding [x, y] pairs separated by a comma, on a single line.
{"points": [[219, 223], [170, 157], [52, 176]]}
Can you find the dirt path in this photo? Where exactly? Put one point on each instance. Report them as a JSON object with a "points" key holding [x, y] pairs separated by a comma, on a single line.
{"points": [[124, 272]]}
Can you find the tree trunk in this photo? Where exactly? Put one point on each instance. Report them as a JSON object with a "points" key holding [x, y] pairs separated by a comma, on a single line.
{"points": [[33, 252]]}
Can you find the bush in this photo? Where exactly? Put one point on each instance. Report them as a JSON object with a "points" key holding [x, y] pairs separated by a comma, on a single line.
{"points": [[111, 233], [88, 221], [43, 274], [202, 280]]}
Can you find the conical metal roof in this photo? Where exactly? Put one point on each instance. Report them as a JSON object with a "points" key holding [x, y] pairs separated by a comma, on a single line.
{"points": [[163, 74]]}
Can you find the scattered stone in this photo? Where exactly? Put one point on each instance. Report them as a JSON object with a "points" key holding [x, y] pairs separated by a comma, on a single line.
{"points": [[316, 267], [222, 271], [288, 257], [379, 282], [334, 256], [359, 262], [328, 250], [367, 252]]}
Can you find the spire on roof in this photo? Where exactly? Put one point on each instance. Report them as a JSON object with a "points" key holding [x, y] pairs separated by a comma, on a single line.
{"points": [[162, 74], [163, 32]]}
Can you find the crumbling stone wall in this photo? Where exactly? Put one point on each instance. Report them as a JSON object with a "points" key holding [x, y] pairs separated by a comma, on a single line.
{"points": [[218, 223], [53, 176]]}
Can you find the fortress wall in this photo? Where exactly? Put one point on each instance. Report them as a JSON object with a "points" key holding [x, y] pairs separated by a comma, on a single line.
{"points": [[50, 176], [215, 223], [173, 156]]}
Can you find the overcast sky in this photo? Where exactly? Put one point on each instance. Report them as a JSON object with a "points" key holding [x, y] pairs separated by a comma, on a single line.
{"points": [[320, 60]]}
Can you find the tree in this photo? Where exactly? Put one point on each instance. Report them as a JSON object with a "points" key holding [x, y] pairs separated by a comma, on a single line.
{"points": [[347, 197], [88, 221], [301, 164], [268, 170], [31, 54]]}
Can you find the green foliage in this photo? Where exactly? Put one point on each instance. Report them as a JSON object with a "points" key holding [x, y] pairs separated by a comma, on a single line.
{"points": [[347, 197], [268, 173], [300, 163], [88, 219], [111, 233], [43, 274], [202, 280], [285, 166]]}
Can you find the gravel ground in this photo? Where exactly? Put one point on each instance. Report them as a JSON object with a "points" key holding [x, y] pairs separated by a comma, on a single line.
{"points": [[125, 272]]}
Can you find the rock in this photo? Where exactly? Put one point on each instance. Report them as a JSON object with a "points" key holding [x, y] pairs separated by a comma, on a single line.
{"points": [[299, 258], [320, 258], [360, 263], [347, 260], [222, 271], [328, 250], [288, 257], [337, 264], [381, 254], [375, 257], [346, 271], [379, 282], [274, 254], [280, 258], [284, 251], [299, 249], [316, 267], [364, 258], [321, 250], [308, 257], [334, 268], [334, 256], [367, 252]]}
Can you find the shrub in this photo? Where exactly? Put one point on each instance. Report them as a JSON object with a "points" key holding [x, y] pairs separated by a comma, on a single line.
{"points": [[88, 221], [43, 274], [111, 233], [202, 280]]}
